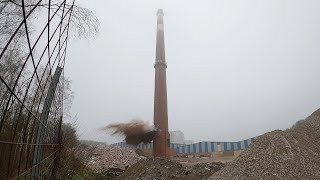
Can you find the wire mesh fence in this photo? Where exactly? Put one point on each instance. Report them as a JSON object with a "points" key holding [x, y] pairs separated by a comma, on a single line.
{"points": [[31, 85]]}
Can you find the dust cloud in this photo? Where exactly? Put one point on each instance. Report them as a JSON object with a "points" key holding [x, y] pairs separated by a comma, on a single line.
{"points": [[135, 131]]}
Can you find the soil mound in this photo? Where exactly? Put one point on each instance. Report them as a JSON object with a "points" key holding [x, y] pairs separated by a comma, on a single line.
{"points": [[156, 168], [289, 154]]}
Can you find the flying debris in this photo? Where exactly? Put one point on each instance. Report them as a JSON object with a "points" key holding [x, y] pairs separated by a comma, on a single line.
{"points": [[136, 131]]}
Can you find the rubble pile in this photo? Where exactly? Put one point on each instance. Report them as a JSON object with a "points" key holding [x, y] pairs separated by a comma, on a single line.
{"points": [[156, 168], [290, 154], [107, 160]]}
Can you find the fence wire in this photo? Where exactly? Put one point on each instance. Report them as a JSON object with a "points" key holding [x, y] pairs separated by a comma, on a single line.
{"points": [[31, 99]]}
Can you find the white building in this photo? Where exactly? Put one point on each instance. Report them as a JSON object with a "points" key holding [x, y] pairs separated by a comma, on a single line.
{"points": [[177, 137]]}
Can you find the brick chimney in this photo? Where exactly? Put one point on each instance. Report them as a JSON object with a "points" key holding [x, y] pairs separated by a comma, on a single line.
{"points": [[161, 142]]}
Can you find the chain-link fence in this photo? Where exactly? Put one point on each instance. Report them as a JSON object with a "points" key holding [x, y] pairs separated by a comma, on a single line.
{"points": [[31, 85]]}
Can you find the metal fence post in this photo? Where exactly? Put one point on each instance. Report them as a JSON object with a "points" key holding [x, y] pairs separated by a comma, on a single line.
{"points": [[43, 122], [57, 160]]}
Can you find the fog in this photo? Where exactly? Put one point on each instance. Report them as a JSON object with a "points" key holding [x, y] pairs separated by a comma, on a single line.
{"points": [[236, 69]]}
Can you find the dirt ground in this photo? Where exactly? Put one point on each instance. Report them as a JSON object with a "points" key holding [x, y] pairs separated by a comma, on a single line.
{"points": [[290, 154], [117, 163], [193, 161], [156, 168]]}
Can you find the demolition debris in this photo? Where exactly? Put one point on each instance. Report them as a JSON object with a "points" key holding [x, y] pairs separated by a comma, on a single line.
{"points": [[117, 163], [290, 154], [135, 131], [106, 159]]}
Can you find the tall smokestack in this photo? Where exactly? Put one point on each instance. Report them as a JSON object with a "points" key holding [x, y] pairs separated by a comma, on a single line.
{"points": [[161, 142]]}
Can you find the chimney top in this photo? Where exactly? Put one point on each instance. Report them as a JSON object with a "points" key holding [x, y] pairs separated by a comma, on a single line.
{"points": [[160, 12]]}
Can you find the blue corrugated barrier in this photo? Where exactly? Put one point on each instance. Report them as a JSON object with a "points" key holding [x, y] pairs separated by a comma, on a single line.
{"points": [[196, 147]]}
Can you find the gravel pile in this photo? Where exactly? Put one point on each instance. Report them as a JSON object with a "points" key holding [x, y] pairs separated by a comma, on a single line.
{"points": [[290, 154], [107, 160], [156, 168]]}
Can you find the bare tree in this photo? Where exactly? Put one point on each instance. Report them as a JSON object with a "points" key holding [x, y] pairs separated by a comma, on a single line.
{"points": [[84, 23], [23, 89]]}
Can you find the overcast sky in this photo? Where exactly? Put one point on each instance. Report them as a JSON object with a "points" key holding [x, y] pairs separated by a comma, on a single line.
{"points": [[236, 69]]}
